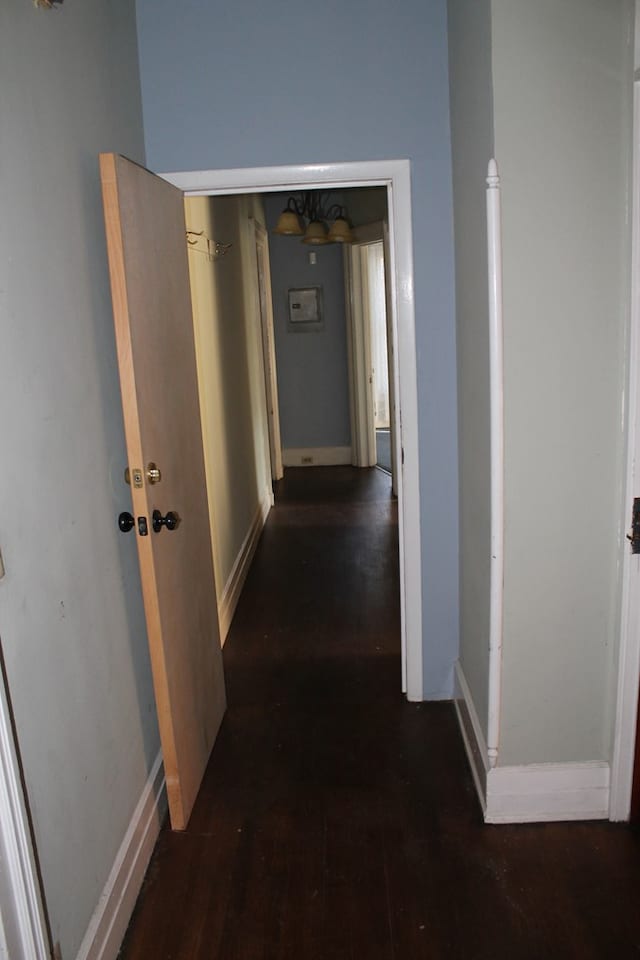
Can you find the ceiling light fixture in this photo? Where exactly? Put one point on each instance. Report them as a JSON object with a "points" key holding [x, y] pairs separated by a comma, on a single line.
{"points": [[307, 215]]}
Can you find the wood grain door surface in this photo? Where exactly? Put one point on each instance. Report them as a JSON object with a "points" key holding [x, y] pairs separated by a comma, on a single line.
{"points": [[146, 243]]}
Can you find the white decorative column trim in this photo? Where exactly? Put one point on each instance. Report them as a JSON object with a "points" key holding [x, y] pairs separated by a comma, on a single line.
{"points": [[496, 610]]}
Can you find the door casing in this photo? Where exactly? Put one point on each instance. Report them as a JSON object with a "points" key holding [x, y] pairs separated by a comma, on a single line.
{"points": [[25, 934], [622, 763], [363, 433], [363, 436], [265, 309], [395, 176]]}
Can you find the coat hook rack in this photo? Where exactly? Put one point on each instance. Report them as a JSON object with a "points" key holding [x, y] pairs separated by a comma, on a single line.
{"points": [[213, 249]]}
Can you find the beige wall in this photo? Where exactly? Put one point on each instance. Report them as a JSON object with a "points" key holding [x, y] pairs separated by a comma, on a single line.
{"points": [[230, 373], [562, 86], [546, 87], [471, 95]]}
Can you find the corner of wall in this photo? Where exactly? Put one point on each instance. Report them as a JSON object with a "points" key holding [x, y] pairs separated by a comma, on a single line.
{"points": [[530, 793]]}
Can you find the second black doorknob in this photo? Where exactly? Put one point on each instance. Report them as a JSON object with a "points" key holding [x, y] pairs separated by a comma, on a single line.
{"points": [[171, 520]]}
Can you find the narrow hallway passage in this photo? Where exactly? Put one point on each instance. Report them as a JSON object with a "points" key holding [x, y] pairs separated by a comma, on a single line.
{"points": [[335, 819]]}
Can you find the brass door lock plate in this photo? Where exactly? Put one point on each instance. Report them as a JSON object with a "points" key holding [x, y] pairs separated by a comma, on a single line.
{"points": [[137, 477]]}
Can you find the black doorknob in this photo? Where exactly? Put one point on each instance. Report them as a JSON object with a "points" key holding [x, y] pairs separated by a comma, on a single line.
{"points": [[126, 522], [171, 520]]}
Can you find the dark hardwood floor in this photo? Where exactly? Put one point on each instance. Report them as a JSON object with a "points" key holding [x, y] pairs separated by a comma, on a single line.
{"points": [[338, 821]]}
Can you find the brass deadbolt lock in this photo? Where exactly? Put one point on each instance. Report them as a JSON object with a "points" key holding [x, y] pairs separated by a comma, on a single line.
{"points": [[153, 475]]}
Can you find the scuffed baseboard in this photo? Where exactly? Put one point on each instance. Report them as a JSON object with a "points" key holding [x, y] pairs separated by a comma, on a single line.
{"points": [[111, 917], [472, 735], [316, 456], [233, 588], [534, 792], [539, 792]]}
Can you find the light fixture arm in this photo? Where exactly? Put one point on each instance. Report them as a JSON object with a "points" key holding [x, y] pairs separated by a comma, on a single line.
{"points": [[312, 207], [311, 204]]}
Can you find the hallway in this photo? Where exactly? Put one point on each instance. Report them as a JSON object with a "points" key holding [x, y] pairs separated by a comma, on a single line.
{"points": [[338, 821]]}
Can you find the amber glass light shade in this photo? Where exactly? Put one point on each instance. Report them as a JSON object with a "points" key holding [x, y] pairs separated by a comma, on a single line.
{"points": [[340, 231], [315, 233], [288, 224]]}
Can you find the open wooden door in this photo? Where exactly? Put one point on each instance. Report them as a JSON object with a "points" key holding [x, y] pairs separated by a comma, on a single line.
{"points": [[146, 243]]}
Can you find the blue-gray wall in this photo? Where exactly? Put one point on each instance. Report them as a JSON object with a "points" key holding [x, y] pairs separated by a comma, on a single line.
{"points": [[71, 618], [313, 382], [227, 85]]}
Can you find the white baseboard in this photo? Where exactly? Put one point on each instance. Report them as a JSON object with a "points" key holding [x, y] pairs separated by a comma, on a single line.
{"points": [[233, 588], [541, 792], [535, 792], [316, 456], [472, 735], [108, 925]]}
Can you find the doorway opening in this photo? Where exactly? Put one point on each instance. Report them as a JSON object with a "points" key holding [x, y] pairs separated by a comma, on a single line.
{"points": [[393, 176], [370, 311], [291, 347]]}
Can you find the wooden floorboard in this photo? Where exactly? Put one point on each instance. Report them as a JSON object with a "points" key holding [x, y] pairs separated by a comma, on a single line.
{"points": [[337, 821]]}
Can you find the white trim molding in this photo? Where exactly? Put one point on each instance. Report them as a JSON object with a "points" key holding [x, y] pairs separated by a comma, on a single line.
{"points": [[532, 793], [395, 175], [496, 336], [540, 792], [474, 740], [316, 456], [287, 178], [107, 927], [233, 588], [624, 740], [23, 916]]}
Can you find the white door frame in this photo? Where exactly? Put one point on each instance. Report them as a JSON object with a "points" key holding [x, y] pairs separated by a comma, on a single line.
{"points": [[23, 929], [263, 280], [629, 650], [391, 350], [363, 434], [395, 176], [363, 431]]}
